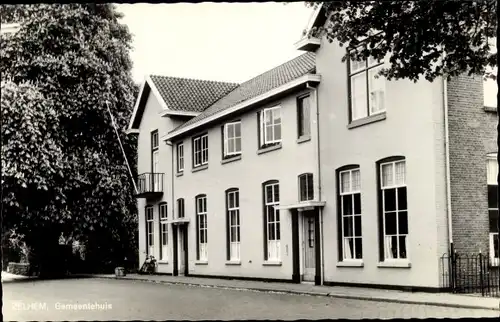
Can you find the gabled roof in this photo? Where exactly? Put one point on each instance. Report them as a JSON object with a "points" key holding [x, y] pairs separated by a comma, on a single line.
{"points": [[179, 96], [274, 78], [192, 95]]}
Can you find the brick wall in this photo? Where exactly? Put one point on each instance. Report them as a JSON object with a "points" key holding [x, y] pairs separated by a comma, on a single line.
{"points": [[472, 135]]}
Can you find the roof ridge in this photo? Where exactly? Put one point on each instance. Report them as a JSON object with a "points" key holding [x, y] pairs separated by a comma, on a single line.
{"points": [[195, 79]]}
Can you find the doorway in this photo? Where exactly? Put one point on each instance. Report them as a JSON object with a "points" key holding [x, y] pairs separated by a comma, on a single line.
{"points": [[182, 250], [309, 246]]}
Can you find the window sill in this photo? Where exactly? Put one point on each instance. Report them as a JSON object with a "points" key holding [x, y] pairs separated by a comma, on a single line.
{"points": [[490, 109], [395, 264], [199, 168], [233, 263], [271, 263], [367, 120], [351, 263], [304, 138], [231, 159], [201, 263], [269, 148], [179, 174]]}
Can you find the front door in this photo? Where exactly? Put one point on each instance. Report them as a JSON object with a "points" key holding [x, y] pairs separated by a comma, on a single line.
{"points": [[182, 250], [156, 176], [309, 246]]}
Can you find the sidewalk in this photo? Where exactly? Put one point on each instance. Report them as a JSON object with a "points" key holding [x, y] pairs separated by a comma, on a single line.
{"points": [[358, 293]]}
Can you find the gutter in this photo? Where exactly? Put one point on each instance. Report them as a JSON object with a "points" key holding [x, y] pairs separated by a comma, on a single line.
{"points": [[447, 164], [318, 155]]}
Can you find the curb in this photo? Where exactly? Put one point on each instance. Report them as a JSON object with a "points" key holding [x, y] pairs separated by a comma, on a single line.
{"points": [[308, 293]]}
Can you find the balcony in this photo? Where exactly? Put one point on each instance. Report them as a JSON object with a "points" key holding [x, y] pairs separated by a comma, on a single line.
{"points": [[150, 185]]}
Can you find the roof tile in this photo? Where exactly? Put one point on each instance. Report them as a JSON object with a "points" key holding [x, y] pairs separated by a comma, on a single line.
{"points": [[256, 86], [193, 95]]}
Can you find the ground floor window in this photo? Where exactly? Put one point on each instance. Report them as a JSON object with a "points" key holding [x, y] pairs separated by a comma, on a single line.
{"points": [[492, 173], [201, 221], [272, 220], [233, 220], [150, 230]]}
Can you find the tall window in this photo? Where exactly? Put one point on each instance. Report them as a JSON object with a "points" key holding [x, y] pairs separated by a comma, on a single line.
{"points": [[232, 139], [180, 157], [233, 222], [200, 150], [150, 230], [155, 160], [272, 220], [304, 116], [270, 126], [180, 208], [367, 93], [163, 231], [393, 194], [201, 223], [349, 187], [492, 174], [306, 187]]}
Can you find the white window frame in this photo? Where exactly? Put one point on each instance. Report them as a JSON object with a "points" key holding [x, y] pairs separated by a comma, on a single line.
{"points": [[396, 186], [201, 214], [155, 143], [271, 208], [272, 111], [200, 157], [234, 223], [369, 67], [150, 230], [305, 176], [163, 214], [492, 173], [180, 157], [495, 261], [234, 139], [304, 116], [344, 193]]}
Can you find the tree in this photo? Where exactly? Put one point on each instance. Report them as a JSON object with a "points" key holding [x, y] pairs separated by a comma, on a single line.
{"points": [[425, 38], [76, 58]]}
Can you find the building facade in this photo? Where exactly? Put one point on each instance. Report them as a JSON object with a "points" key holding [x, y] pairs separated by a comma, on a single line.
{"points": [[315, 171]]}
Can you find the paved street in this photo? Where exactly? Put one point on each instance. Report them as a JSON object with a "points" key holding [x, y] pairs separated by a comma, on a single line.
{"points": [[126, 300]]}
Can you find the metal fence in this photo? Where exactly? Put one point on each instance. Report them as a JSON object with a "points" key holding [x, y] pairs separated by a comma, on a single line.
{"points": [[470, 274]]}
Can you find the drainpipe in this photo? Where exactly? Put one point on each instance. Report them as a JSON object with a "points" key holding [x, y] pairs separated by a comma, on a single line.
{"points": [[318, 154], [447, 153]]}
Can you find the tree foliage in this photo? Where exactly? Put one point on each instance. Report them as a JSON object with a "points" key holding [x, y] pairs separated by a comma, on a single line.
{"points": [[61, 163], [424, 38]]}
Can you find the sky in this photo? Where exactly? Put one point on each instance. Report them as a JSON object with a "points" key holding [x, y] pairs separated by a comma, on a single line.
{"points": [[230, 42]]}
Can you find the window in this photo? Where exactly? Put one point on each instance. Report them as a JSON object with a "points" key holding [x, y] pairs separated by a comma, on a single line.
{"points": [[351, 240], [155, 160], [270, 126], [180, 157], [200, 150], [233, 224], [393, 195], [304, 116], [306, 188], [272, 221], [163, 231], [150, 230], [201, 223], [492, 173], [232, 139], [367, 93], [180, 208]]}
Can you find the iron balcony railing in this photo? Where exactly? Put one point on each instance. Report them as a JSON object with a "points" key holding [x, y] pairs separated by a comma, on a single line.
{"points": [[150, 183]]}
